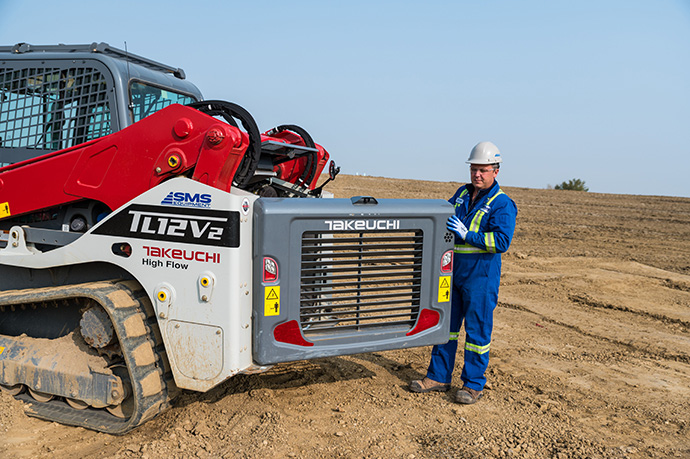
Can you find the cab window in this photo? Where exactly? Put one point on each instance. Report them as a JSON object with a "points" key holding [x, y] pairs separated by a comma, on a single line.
{"points": [[147, 99]]}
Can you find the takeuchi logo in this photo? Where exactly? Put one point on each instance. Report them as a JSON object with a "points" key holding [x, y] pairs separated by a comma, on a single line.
{"points": [[358, 225], [183, 199]]}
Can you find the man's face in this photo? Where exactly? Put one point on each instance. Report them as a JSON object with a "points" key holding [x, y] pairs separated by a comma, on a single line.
{"points": [[482, 175]]}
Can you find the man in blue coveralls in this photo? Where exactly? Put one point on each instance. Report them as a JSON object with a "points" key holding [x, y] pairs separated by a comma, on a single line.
{"points": [[483, 225]]}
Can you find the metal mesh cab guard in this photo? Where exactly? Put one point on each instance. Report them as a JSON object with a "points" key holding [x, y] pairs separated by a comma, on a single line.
{"points": [[345, 276], [54, 97]]}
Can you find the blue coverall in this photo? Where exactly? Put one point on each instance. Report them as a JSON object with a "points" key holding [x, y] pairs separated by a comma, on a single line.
{"points": [[490, 221]]}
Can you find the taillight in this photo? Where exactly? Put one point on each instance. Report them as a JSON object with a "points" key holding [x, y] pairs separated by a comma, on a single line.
{"points": [[289, 332], [270, 270], [447, 262], [427, 319]]}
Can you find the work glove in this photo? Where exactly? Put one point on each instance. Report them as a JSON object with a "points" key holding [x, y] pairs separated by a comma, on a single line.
{"points": [[456, 227]]}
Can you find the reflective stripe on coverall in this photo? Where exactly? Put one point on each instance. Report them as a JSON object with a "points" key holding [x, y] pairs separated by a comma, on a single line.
{"points": [[476, 277]]}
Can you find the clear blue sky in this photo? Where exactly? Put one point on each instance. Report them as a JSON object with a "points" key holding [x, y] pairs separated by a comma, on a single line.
{"points": [[591, 89]]}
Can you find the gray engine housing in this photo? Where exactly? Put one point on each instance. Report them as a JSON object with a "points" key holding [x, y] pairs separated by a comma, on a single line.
{"points": [[354, 275]]}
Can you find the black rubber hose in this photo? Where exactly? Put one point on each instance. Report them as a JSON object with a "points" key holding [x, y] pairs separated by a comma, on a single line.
{"points": [[310, 169], [229, 111]]}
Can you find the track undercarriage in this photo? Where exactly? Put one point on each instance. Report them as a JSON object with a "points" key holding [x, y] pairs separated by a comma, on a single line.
{"points": [[109, 373]]}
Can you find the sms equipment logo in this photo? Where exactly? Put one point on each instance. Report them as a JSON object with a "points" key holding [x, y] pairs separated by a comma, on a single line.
{"points": [[182, 199]]}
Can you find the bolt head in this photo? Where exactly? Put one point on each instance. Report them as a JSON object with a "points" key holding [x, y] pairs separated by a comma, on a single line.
{"points": [[183, 127], [215, 136]]}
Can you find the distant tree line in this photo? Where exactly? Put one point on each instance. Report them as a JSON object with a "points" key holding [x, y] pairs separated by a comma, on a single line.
{"points": [[573, 184]]}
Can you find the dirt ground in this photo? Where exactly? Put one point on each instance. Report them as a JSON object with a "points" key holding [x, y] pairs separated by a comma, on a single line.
{"points": [[590, 359]]}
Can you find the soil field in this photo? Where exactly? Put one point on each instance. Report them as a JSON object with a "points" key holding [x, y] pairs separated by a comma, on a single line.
{"points": [[590, 359]]}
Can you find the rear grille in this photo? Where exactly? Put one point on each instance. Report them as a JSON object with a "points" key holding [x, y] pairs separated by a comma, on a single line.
{"points": [[353, 281]]}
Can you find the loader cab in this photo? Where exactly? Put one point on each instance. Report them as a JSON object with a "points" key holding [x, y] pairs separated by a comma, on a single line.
{"points": [[57, 97]]}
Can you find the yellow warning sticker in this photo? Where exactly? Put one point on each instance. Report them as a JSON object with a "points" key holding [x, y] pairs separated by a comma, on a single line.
{"points": [[5, 210], [272, 301], [443, 289], [2, 349]]}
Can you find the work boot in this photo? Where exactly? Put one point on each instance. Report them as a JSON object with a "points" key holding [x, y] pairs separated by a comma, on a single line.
{"points": [[428, 385], [468, 396]]}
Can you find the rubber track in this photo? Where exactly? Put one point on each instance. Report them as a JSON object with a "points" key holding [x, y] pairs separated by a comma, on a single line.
{"points": [[131, 313]]}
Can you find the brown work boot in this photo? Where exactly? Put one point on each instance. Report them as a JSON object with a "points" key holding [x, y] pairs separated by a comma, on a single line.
{"points": [[468, 396], [428, 385]]}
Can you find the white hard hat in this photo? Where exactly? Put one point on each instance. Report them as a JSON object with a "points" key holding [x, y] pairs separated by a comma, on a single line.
{"points": [[484, 153]]}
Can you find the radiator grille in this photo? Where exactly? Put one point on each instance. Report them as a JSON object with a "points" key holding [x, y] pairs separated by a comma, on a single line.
{"points": [[359, 280]]}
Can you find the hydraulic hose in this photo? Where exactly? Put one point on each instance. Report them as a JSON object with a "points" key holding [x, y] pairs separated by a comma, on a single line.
{"points": [[312, 160], [229, 112]]}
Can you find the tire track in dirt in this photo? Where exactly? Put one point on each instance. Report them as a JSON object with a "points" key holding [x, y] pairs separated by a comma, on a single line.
{"points": [[584, 299], [677, 285], [683, 358]]}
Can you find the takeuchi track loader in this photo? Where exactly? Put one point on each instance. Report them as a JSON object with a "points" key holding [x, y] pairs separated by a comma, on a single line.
{"points": [[153, 241]]}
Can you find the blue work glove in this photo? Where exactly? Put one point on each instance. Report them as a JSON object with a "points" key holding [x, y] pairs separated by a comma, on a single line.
{"points": [[455, 226]]}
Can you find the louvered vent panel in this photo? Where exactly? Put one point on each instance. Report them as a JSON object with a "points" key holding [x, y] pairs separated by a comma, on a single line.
{"points": [[359, 280]]}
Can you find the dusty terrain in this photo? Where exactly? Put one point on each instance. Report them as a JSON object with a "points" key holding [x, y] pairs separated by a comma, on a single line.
{"points": [[590, 359]]}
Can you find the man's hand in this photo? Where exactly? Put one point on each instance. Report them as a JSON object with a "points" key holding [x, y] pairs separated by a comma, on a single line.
{"points": [[455, 226]]}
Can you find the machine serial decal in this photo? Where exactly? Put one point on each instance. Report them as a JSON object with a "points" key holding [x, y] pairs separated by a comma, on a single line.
{"points": [[192, 226], [177, 254], [182, 199], [358, 225]]}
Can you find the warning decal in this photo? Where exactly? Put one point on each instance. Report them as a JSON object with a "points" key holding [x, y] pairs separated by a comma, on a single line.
{"points": [[5, 210], [2, 349], [443, 289], [272, 301]]}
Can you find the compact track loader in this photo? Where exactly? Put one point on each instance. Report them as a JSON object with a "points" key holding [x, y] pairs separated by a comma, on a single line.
{"points": [[153, 241]]}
